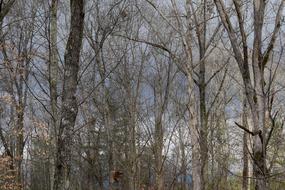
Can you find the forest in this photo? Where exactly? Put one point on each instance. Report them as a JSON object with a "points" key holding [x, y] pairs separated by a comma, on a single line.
{"points": [[142, 95]]}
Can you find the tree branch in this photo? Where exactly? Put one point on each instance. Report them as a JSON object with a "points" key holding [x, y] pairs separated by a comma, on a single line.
{"points": [[253, 133], [276, 29]]}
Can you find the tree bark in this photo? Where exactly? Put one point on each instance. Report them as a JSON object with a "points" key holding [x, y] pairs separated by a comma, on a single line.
{"points": [[19, 143], [69, 104], [53, 78], [183, 160], [246, 153], [195, 146], [158, 154]]}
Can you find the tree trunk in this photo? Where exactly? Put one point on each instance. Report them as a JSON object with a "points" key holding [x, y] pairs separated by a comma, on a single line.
{"points": [[183, 160], [132, 144], [203, 128], [53, 77], [259, 152], [69, 104], [200, 129], [246, 153], [199, 142], [53, 66], [19, 144], [196, 165], [20, 111], [160, 103], [159, 185]]}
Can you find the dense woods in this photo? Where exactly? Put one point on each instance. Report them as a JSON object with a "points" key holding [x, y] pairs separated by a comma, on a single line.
{"points": [[142, 95]]}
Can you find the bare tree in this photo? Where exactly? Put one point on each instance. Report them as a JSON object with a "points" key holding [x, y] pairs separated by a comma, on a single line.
{"points": [[255, 93], [53, 76], [69, 104]]}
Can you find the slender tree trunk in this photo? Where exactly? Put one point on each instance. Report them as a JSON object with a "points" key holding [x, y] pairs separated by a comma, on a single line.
{"points": [[132, 144], [53, 66], [69, 104], [203, 128], [161, 102], [183, 161], [196, 165], [53, 77], [246, 154], [200, 154], [19, 144], [259, 151], [158, 154], [203, 122], [195, 143], [20, 111], [110, 142]]}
